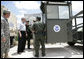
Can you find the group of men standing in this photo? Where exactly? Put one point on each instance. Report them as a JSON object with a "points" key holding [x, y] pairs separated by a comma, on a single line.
{"points": [[24, 33]]}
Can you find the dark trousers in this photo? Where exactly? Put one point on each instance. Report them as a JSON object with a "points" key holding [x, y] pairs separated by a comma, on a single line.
{"points": [[28, 44], [11, 40], [29, 37], [22, 42]]}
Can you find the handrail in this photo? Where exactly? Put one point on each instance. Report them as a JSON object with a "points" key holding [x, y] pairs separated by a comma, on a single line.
{"points": [[81, 12], [78, 24], [77, 28], [79, 17]]}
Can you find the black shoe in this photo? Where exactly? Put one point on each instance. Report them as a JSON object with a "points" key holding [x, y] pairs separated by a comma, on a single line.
{"points": [[36, 56], [29, 48], [43, 55], [19, 52], [23, 51]]}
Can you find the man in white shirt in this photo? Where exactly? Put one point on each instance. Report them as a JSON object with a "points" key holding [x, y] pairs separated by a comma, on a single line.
{"points": [[22, 36]]}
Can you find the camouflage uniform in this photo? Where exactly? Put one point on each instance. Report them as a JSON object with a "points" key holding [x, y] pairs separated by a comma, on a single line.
{"points": [[38, 27], [5, 33]]}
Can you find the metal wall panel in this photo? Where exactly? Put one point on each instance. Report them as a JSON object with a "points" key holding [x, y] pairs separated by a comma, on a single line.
{"points": [[53, 36]]}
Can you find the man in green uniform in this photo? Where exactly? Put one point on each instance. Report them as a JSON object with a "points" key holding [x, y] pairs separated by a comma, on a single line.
{"points": [[29, 37], [38, 29], [5, 34]]}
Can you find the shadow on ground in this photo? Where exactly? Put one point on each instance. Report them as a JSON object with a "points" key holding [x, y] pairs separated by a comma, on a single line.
{"points": [[65, 52]]}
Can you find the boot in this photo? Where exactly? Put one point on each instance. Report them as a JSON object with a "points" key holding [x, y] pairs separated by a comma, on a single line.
{"points": [[6, 55]]}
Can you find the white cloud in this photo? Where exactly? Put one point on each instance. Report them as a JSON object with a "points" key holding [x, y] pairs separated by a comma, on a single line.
{"points": [[27, 5], [22, 11], [77, 6], [24, 6], [19, 16]]}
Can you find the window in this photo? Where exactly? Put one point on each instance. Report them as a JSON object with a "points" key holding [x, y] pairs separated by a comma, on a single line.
{"points": [[57, 12], [63, 12], [52, 12]]}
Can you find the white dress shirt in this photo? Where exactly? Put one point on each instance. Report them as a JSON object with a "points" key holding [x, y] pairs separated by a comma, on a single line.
{"points": [[22, 27]]}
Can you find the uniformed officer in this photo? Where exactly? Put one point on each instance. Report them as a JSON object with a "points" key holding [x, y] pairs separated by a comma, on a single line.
{"points": [[38, 29], [28, 30], [22, 36], [5, 34]]}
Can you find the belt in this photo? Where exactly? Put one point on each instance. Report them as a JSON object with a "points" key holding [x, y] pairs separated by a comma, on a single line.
{"points": [[22, 31]]}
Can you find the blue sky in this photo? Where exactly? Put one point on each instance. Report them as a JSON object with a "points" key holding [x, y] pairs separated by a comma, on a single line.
{"points": [[11, 6], [14, 9], [19, 8]]}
